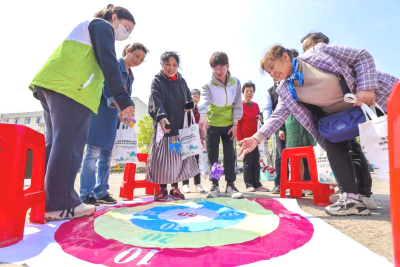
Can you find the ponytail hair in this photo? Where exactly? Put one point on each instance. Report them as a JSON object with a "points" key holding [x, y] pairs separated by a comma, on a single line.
{"points": [[121, 12], [292, 53], [135, 46], [276, 52]]}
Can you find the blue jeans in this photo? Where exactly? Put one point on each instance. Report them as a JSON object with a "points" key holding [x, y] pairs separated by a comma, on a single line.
{"points": [[89, 185]]}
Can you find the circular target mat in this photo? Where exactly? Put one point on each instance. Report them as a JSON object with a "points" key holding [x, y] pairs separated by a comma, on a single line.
{"points": [[187, 223], [221, 231]]}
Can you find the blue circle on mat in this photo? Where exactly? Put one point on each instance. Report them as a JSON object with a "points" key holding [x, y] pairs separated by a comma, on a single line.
{"points": [[225, 217]]}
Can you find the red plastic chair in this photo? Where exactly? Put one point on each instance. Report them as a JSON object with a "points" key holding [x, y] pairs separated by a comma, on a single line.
{"points": [[15, 140], [393, 116], [296, 184], [129, 184]]}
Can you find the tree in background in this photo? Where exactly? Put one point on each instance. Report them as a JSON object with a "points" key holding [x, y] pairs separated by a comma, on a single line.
{"points": [[145, 133]]}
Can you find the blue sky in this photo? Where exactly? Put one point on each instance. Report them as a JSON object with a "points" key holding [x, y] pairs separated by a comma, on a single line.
{"points": [[243, 29]]}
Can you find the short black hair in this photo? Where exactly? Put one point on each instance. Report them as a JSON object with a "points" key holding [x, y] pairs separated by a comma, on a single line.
{"points": [[219, 58], [249, 84], [315, 37], [167, 54]]}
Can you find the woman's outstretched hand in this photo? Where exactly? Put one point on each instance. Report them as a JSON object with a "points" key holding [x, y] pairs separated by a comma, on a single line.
{"points": [[247, 145]]}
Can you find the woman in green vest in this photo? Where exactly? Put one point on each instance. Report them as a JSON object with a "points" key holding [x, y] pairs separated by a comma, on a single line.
{"points": [[69, 87]]}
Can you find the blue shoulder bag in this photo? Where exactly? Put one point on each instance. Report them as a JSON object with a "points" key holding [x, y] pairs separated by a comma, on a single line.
{"points": [[343, 125]]}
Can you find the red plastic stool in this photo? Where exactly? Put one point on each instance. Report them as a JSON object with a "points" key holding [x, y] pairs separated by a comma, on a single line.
{"points": [[15, 140], [393, 118], [129, 184], [296, 184]]}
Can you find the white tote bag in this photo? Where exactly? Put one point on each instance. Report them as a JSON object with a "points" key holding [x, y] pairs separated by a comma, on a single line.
{"points": [[125, 146], [374, 141], [204, 164], [324, 170], [190, 138]]}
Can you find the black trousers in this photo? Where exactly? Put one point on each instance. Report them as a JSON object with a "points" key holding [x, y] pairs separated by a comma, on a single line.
{"points": [[280, 146], [307, 174], [251, 169], [197, 177], [361, 169], [347, 164], [67, 127], [213, 137]]}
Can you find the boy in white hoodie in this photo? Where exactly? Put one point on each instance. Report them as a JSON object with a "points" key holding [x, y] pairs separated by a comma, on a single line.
{"points": [[221, 108]]}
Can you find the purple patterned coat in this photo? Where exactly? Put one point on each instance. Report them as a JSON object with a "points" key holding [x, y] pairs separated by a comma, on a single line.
{"points": [[355, 65]]}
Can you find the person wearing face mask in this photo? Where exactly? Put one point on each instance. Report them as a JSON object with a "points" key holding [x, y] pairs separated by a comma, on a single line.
{"points": [[169, 94], [102, 133], [69, 87], [310, 90]]}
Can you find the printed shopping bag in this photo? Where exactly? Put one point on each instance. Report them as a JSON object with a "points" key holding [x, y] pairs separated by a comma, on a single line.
{"points": [[374, 141], [324, 171], [190, 138], [125, 146]]}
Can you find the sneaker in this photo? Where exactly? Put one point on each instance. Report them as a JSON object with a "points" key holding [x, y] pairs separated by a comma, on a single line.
{"points": [[250, 189], [347, 206], [231, 191], [276, 190], [262, 189], [161, 195], [175, 193], [80, 211], [89, 200], [186, 188], [369, 202], [107, 199], [200, 189], [214, 191]]}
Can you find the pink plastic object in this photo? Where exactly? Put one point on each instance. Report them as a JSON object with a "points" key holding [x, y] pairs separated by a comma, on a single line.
{"points": [[15, 140], [393, 116], [129, 184], [296, 184]]}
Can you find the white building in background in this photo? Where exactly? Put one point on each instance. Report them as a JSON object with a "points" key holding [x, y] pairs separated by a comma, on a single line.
{"points": [[141, 110], [35, 119]]}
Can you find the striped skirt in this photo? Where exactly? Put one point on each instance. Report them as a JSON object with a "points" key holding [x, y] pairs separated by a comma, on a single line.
{"points": [[166, 167]]}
